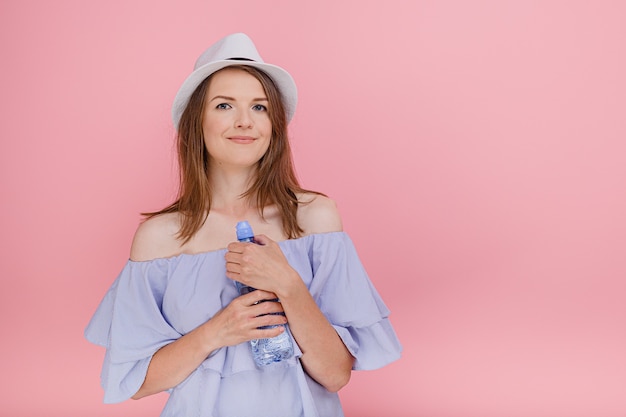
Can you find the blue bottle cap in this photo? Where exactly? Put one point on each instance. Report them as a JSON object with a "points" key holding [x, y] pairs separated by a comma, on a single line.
{"points": [[244, 230]]}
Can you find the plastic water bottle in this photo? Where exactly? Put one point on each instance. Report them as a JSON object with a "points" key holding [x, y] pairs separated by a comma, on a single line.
{"points": [[275, 349]]}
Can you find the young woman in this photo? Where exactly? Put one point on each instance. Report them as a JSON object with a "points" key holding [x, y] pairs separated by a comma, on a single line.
{"points": [[173, 320]]}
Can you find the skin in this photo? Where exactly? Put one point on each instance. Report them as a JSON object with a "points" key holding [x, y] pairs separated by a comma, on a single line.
{"points": [[237, 133]]}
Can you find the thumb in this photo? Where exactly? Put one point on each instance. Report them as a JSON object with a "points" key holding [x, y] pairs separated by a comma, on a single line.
{"points": [[262, 239]]}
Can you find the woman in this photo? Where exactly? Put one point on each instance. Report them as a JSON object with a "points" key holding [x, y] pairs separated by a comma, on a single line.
{"points": [[173, 320]]}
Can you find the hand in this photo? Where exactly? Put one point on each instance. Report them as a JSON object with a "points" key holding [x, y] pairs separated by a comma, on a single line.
{"points": [[240, 320], [261, 266]]}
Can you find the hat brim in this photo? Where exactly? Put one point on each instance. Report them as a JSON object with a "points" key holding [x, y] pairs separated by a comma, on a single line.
{"points": [[283, 80]]}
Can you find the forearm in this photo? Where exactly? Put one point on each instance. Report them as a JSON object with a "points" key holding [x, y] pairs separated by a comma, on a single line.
{"points": [[324, 355], [245, 318], [174, 362]]}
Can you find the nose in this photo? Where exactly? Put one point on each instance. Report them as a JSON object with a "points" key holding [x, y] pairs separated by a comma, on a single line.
{"points": [[244, 119]]}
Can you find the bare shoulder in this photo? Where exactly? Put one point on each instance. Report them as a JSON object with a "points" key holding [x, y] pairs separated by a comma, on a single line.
{"points": [[156, 238], [318, 214]]}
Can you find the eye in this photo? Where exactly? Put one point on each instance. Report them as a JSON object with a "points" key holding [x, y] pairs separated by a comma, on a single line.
{"points": [[259, 107], [223, 106]]}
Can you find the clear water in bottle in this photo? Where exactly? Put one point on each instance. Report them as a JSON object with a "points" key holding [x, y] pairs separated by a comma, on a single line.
{"points": [[275, 349]]}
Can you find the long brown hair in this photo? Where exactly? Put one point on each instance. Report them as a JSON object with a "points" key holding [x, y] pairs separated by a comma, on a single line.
{"points": [[275, 182]]}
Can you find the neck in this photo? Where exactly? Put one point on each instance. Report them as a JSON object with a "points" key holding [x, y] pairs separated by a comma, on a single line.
{"points": [[227, 188]]}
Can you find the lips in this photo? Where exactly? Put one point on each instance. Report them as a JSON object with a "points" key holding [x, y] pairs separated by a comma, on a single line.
{"points": [[242, 139]]}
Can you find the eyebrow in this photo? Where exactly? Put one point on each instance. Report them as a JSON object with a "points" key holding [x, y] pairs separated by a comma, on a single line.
{"points": [[233, 99]]}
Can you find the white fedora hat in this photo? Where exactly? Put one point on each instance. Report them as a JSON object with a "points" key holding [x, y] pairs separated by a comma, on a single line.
{"points": [[235, 49]]}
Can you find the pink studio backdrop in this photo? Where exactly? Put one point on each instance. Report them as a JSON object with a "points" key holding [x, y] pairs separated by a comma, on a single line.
{"points": [[475, 148]]}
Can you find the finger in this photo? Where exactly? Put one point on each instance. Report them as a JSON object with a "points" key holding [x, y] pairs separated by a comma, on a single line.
{"points": [[232, 257], [262, 239], [267, 333], [267, 296], [265, 307], [255, 297], [233, 275], [260, 295], [233, 269], [270, 320], [236, 247]]}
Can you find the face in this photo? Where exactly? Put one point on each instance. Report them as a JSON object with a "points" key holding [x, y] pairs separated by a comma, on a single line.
{"points": [[236, 124]]}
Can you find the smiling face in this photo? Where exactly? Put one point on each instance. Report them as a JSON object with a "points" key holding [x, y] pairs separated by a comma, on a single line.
{"points": [[236, 125]]}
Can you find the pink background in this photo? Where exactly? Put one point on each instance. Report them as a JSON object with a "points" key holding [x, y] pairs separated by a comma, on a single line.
{"points": [[476, 150]]}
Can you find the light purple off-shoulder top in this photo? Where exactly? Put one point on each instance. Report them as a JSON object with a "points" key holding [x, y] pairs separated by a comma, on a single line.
{"points": [[155, 302]]}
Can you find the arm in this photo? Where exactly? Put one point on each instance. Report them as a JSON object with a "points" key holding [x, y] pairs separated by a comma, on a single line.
{"points": [[236, 323], [324, 356]]}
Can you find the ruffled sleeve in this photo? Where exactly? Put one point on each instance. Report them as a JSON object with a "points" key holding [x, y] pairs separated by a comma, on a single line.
{"points": [[129, 323], [346, 295]]}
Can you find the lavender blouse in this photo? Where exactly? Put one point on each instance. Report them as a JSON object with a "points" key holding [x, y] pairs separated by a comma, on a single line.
{"points": [[153, 303]]}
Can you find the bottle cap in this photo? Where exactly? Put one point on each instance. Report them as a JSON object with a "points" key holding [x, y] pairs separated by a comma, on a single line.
{"points": [[244, 230]]}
